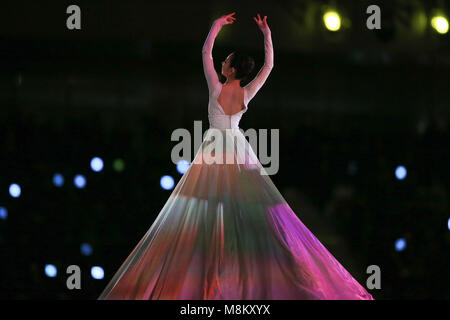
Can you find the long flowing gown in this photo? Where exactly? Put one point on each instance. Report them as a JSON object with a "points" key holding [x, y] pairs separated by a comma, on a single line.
{"points": [[226, 232]]}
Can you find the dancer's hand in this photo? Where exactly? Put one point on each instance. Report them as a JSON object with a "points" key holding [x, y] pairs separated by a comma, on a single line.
{"points": [[262, 24], [225, 19]]}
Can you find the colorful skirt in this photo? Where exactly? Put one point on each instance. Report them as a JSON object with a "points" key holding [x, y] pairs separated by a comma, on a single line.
{"points": [[226, 233]]}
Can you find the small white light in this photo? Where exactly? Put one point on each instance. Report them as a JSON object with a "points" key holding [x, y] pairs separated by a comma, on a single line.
{"points": [[50, 270], [79, 181], [182, 166], [167, 182], [58, 179], [97, 272], [3, 213], [400, 172], [96, 164], [400, 244], [14, 190]]}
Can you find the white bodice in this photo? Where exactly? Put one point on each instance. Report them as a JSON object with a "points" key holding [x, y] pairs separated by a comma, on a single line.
{"points": [[216, 115]]}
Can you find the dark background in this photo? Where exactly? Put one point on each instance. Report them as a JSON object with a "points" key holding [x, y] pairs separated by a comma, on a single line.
{"points": [[351, 106]]}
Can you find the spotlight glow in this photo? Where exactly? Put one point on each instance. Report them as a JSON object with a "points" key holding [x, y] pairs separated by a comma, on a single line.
{"points": [[86, 249], [79, 181], [50, 270], [167, 182], [14, 190], [118, 165], [97, 272], [440, 24], [448, 223], [400, 172], [400, 244], [96, 164], [4, 213], [58, 180], [332, 20], [182, 166]]}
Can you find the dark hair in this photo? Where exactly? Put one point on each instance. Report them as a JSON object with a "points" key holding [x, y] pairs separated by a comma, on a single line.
{"points": [[243, 64]]}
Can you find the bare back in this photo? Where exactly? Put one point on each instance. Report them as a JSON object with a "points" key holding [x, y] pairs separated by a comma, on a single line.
{"points": [[231, 99], [234, 99]]}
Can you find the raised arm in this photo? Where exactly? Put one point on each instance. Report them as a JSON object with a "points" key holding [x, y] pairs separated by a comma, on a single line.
{"points": [[208, 63], [253, 86]]}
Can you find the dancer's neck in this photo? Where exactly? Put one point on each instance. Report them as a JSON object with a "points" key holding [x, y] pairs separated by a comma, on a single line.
{"points": [[232, 82]]}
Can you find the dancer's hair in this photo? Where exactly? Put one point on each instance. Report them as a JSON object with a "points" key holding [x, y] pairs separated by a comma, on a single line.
{"points": [[243, 64]]}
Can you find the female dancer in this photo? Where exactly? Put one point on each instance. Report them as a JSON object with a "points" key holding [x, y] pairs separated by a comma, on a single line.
{"points": [[226, 232]]}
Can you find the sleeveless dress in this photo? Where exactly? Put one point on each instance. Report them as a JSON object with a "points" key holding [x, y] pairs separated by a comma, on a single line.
{"points": [[226, 232]]}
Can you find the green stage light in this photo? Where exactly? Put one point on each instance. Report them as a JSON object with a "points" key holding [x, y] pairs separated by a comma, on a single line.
{"points": [[118, 165]]}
